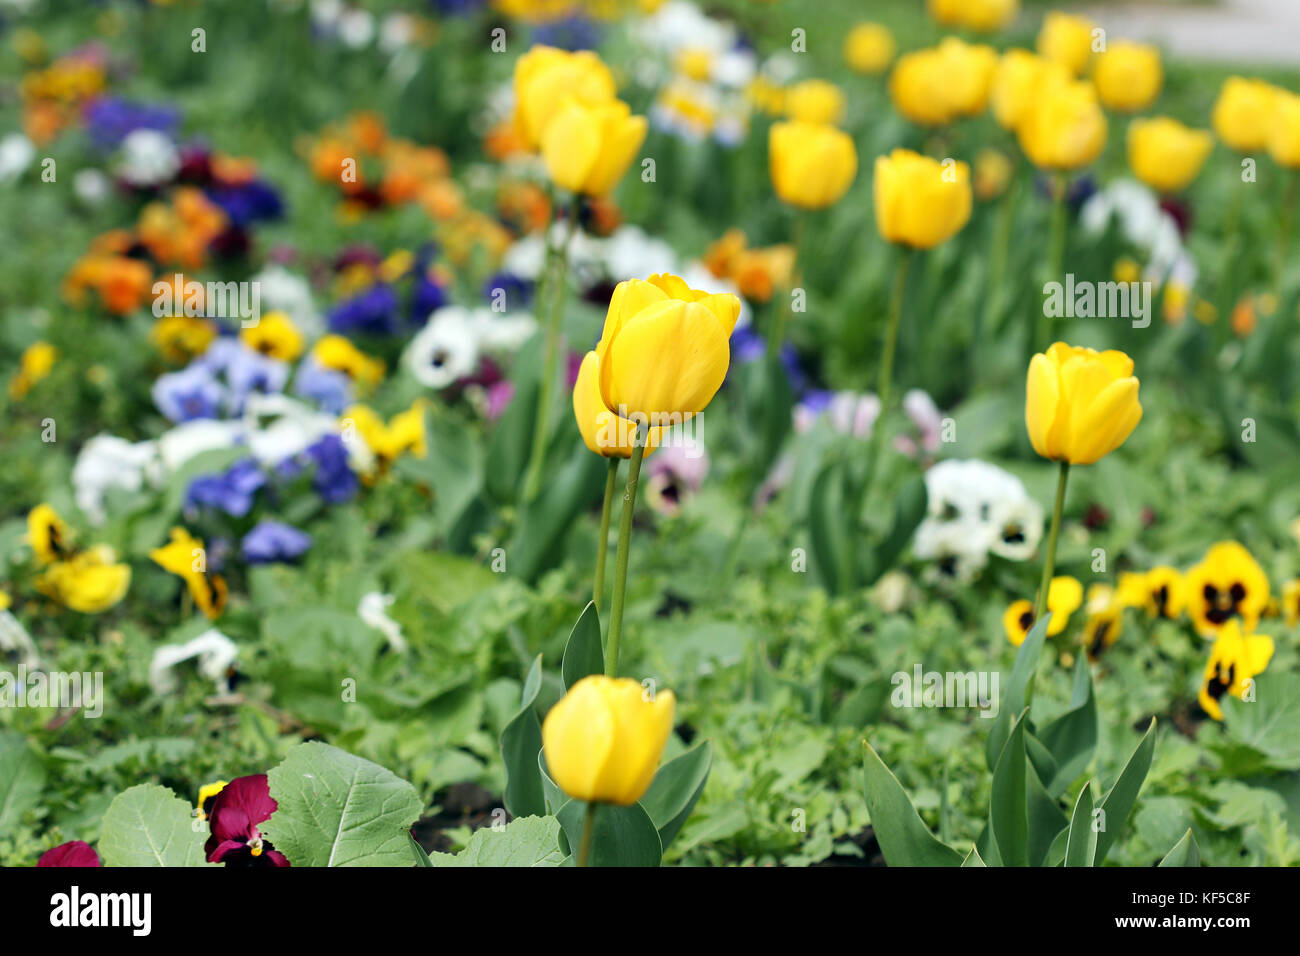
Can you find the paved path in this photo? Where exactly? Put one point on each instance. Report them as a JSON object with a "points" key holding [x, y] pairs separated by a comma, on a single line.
{"points": [[1230, 31]]}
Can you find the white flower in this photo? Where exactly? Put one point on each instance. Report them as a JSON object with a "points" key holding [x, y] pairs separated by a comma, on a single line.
{"points": [[288, 292], [502, 333], [106, 462], [91, 186], [178, 445], [279, 427], [1142, 222], [525, 258], [396, 31], [1018, 527], [679, 25], [147, 158], [445, 350], [373, 612], [630, 251], [975, 508], [356, 28], [16, 154], [958, 550], [216, 654]]}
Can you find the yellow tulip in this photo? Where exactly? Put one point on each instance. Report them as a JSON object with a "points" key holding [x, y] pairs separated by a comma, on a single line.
{"points": [[1128, 76], [602, 431], [587, 148], [1080, 404], [1063, 126], [665, 349], [89, 582], [1244, 113], [869, 48], [544, 80], [968, 70], [1067, 39], [1284, 142], [812, 165], [1165, 154], [48, 534], [604, 739], [919, 201], [274, 335], [815, 101], [982, 15], [920, 90], [1235, 660], [1020, 75]]}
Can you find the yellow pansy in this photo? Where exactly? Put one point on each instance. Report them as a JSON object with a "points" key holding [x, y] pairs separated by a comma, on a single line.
{"points": [[664, 349], [1236, 659], [1080, 404], [1128, 76], [604, 739], [1165, 592], [403, 434], [185, 557], [338, 353], [275, 336], [1165, 154], [207, 793], [588, 147], [919, 201], [1064, 595], [181, 338], [48, 534], [1228, 584], [812, 164], [89, 582], [1104, 621]]}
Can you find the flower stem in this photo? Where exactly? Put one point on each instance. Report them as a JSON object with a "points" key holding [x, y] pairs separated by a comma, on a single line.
{"points": [[624, 545], [602, 545], [588, 828], [1284, 228], [557, 278], [776, 337], [1055, 255], [886, 380], [1049, 565]]}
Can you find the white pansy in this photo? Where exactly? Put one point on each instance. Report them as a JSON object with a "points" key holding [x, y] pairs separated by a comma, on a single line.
{"points": [[445, 350], [216, 654], [107, 462], [631, 251], [178, 445], [15, 642], [278, 427], [356, 28], [16, 154], [147, 157], [525, 258], [373, 611], [91, 186], [975, 508]]}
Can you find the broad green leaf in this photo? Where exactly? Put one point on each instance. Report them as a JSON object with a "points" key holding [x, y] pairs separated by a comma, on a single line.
{"points": [[22, 777], [583, 655], [973, 858], [1044, 817], [521, 742], [1008, 812], [528, 841], [904, 838], [148, 825], [623, 836], [544, 522], [830, 531], [1124, 794], [337, 809], [1267, 723], [1019, 689], [1081, 844], [1072, 737], [675, 789], [1184, 853]]}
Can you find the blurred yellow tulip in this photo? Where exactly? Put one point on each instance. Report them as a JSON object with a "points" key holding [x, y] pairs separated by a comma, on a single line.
{"points": [[1165, 154], [665, 349], [969, 70], [1019, 76], [1128, 76], [869, 48], [919, 201], [1063, 126], [812, 164], [1284, 141], [602, 431], [920, 90], [815, 101], [982, 15], [1080, 404], [587, 148], [1067, 39], [546, 77], [604, 739], [1244, 113]]}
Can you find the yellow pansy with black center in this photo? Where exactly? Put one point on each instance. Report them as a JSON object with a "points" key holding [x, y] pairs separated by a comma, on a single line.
{"points": [[402, 435], [1228, 584], [89, 581], [1104, 622], [1064, 596], [185, 557], [1236, 659], [1165, 592], [275, 336], [48, 534]]}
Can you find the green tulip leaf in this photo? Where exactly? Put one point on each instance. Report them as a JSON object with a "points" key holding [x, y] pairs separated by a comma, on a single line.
{"points": [[1120, 800], [417, 851], [1019, 689], [830, 529], [583, 655], [904, 838], [973, 858], [676, 788], [623, 836], [1008, 810], [909, 512], [1044, 817], [1081, 844], [521, 742], [1184, 853], [1072, 737], [544, 522]]}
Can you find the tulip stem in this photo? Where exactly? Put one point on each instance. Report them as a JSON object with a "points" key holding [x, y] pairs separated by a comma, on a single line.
{"points": [[588, 828], [557, 277], [624, 545], [776, 338], [1049, 564], [1055, 255], [885, 383], [602, 545], [1284, 228]]}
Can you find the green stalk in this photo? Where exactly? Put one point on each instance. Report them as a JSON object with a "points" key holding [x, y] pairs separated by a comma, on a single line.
{"points": [[1049, 565], [1055, 255], [588, 828], [776, 337], [550, 360], [602, 545], [886, 379], [1284, 228], [624, 546]]}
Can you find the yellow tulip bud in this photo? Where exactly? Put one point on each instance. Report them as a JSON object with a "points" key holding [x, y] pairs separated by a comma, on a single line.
{"points": [[587, 149], [919, 201], [1080, 404], [604, 739], [665, 349], [869, 48], [815, 101], [545, 78], [1063, 126], [920, 90], [1244, 113], [1284, 143], [1020, 75], [1067, 39], [602, 431], [982, 15], [1128, 76], [1165, 154], [812, 165]]}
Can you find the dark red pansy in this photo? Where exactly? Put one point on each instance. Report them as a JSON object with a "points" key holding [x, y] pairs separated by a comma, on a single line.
{"points": [[236, 810], [72, 853]]}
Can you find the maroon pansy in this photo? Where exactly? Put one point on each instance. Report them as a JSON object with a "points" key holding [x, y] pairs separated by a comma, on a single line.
{"points": [[72, 853], [236, 811]]}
